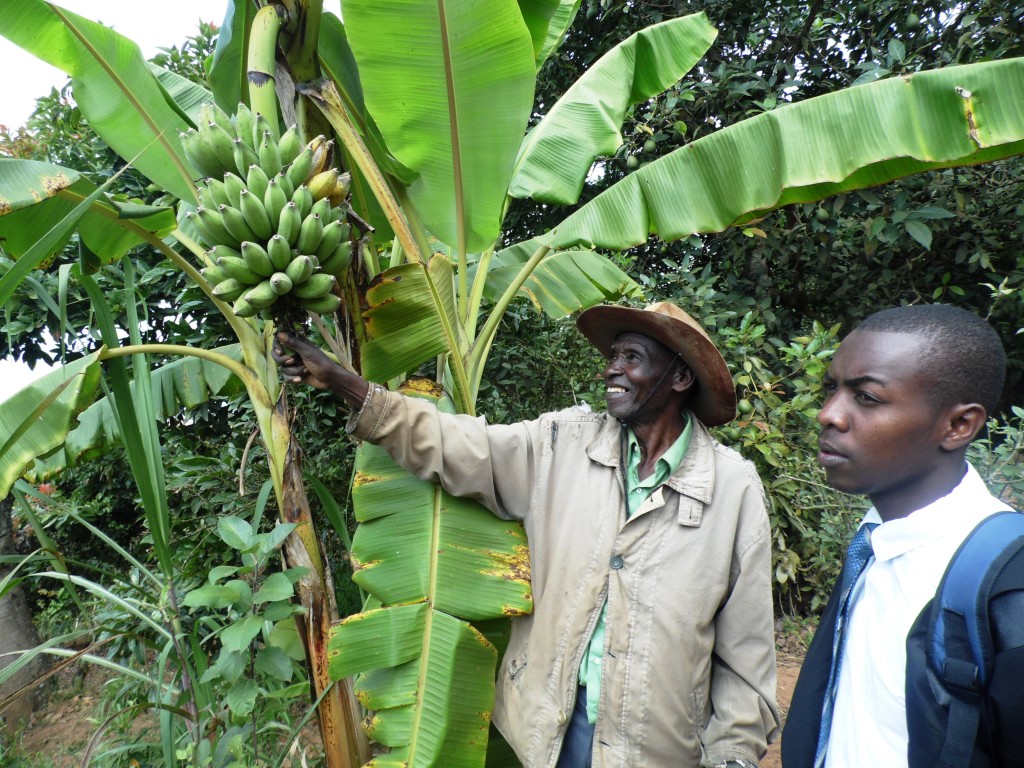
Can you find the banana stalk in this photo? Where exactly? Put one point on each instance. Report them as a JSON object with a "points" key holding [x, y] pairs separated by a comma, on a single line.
{"points": [[261, 57]]}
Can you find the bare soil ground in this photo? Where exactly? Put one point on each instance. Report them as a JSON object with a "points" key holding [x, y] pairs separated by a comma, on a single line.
{"points": [[60, 731]]}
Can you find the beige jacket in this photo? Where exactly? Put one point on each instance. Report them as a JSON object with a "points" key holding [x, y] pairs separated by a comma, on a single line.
{"points": [[689, 665]]}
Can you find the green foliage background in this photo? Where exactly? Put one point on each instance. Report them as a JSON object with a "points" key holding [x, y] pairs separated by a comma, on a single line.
{"points": [[776, 295]]}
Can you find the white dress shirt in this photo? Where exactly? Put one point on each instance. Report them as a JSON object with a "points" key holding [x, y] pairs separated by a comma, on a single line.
{"points": [[869, 723]]}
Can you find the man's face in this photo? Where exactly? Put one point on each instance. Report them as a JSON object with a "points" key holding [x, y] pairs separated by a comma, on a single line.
{"points": [[642, 380], [880, 435]]}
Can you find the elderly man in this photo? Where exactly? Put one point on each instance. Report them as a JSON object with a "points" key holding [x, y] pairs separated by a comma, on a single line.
{"points": [[651, 644]]}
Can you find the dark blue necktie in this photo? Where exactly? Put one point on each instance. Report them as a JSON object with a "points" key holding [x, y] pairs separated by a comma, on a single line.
{"points": [[857, 557]]}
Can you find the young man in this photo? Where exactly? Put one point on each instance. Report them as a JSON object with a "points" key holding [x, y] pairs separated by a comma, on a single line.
{"points": [[651, 643], [906, 393]]}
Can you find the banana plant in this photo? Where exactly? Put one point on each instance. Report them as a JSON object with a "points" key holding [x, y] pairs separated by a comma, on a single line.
{"points": [[428, 104]]}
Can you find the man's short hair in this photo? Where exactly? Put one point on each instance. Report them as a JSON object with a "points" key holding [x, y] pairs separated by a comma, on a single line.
{"points": [[962, 354]]}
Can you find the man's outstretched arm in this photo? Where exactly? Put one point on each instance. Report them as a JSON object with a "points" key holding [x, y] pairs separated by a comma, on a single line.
{"points": [[306, 363]]}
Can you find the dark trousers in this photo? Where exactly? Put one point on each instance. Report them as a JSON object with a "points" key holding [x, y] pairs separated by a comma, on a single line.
{"points": [[578, 746]]}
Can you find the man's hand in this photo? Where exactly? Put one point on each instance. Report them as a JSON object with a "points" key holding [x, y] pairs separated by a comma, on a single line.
{"points": [[306, 364]]}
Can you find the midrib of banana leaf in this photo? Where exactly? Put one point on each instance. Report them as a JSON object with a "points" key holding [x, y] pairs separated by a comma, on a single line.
{"points": [[433, 561]]}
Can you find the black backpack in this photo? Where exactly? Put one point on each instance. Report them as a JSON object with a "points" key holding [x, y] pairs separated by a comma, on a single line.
{"points": [[965, 656]]}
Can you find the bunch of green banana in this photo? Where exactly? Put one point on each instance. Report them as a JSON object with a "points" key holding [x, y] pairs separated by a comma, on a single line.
{"points": [[272, 213]]}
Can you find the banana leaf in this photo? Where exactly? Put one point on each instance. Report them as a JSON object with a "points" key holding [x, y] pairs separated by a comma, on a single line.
{"points": [[548, 21], [842, 141], [410, 318], [432, 561], [35, 420], [434, 75], [585, 122], [182, 383], [113, 87], [563, 282], [35, 194], [228, 76]]}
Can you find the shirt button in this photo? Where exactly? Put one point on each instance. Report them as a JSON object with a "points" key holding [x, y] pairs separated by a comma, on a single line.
{"points": [[561, 717], [616, 562]]}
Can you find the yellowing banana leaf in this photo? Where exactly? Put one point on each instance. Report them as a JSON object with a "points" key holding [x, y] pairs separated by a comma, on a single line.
{"points": [[183, 383], [430, 560], [548, 21], [112, 85], [586, 121], [33, 195], [35, 420], [563, 282], [807, 151], [410, 318], [434, 75]]}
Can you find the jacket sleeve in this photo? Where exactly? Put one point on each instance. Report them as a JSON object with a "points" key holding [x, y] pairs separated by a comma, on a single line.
{"points": [[744, 714], [494, 465]]}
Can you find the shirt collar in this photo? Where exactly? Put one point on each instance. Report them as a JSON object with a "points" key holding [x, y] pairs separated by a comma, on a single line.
{"points": [[955, 513], [666, 464]]}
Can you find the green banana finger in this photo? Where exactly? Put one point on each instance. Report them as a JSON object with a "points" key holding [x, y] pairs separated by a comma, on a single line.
{"points": [[280, 252], [309, 234], [290, 144], [235, 224], [255, 215], [243, 308], [323, 207], [262, 295], [218, 192], [302, 198], [299, 270], [222, 143], [257, 259], [214, 274], [289, 223], [237, 268], [209, 226], [329, 239], [244, 122], [244, 156], [285, 184], [321, 305], [299, 169], [317, 285], [261, 126], [274, 199], [338, 260], [257, 181], [281, 282], [233, 186], [269, 154], [229, 289], [200, 154]]}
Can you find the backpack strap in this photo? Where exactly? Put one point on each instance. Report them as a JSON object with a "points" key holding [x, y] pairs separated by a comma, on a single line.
{"points": [[961, 647]]}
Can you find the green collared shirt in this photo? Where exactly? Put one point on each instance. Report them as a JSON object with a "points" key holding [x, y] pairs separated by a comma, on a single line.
{"points": [[637, 492]]}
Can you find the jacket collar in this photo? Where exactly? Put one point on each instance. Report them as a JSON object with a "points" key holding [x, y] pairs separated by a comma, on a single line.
{"points": [[695, 475]]}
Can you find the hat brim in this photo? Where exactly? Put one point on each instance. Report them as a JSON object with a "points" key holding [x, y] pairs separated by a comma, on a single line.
{"points": [[714, 402]]}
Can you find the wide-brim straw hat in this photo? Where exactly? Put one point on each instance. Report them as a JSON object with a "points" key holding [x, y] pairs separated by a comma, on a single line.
{"points": [[714, 402]]}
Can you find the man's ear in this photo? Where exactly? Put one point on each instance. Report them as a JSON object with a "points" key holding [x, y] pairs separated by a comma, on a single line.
{"points": [[683, 379], [963, 423]]}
